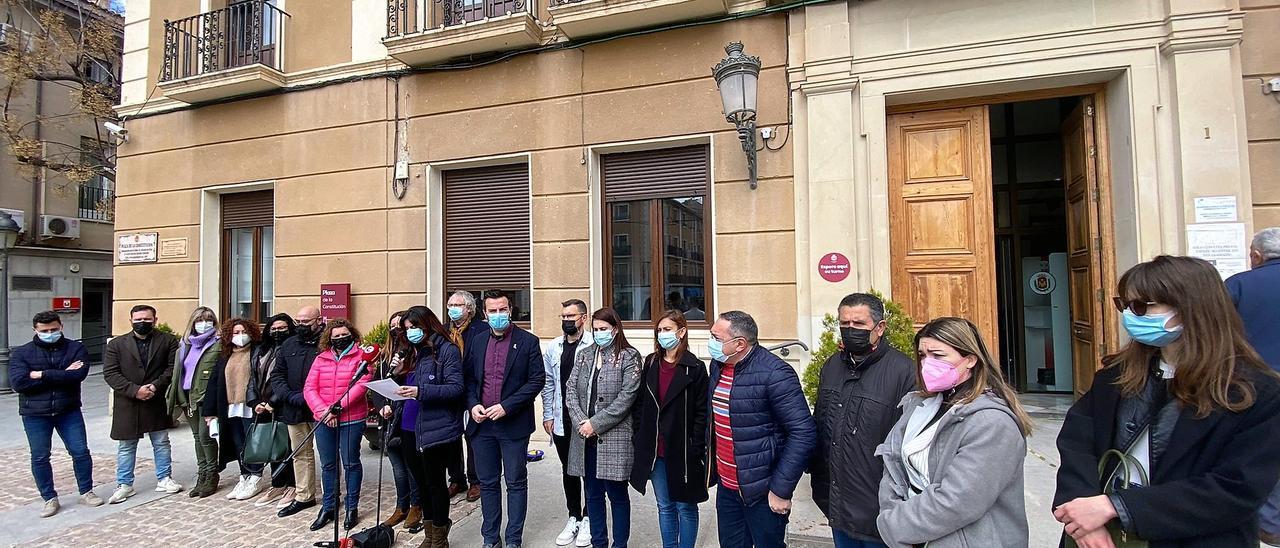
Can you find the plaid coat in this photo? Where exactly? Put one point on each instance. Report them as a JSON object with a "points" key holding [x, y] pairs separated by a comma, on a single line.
{"points": [[614, 391]]}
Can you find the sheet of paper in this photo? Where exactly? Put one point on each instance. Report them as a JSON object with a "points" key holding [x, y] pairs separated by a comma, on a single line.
{"points": [[1216, 209], [387, 388], [1222, 244]]}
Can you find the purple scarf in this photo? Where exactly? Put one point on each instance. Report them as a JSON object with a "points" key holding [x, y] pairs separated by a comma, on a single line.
{"points": [[196, 345]]}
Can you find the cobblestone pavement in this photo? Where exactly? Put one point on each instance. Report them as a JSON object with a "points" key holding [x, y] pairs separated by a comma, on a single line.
{"points": [[17, 489]]}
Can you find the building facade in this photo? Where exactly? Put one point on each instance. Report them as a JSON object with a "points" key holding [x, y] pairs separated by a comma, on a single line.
{"points": [[999, 160]]}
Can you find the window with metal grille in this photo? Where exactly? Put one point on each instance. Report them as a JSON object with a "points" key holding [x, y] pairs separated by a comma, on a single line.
{"points": [[487, 236], [96, 196], [248, 255]]}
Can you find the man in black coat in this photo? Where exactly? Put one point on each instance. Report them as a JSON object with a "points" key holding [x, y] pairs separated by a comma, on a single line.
{"points": [[46, 373], [138, 368], [858, 394], [503, 371], [463, 326], [293, 363]]}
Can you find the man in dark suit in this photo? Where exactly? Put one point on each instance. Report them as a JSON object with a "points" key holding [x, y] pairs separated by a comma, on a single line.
{"points": [[504, 374], [138, 367]]}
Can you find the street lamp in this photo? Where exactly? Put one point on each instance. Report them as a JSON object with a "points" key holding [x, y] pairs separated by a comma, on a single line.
{"points": [[736, 76], [8, 238]]}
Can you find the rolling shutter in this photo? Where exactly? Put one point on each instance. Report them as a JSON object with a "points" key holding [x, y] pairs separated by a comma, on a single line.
{"points": [[487, 237], [661, 173], [248, 209]]}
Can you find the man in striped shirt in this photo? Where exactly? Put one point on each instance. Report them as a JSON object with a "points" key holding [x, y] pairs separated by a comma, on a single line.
{"points": [[764, 435]]}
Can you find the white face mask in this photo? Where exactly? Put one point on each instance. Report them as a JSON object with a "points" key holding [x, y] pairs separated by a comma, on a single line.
{"points": [[240, 339], [203, 327]]}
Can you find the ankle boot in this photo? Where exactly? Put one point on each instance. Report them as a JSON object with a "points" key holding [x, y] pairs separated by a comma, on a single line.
{"points": [[395, 518], [413, 520], [211, 484], [201, 479], [441, 538]]}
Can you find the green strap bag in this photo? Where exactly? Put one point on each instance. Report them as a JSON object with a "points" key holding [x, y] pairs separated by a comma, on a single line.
{"points": [[267, 442], [1119, 536]]}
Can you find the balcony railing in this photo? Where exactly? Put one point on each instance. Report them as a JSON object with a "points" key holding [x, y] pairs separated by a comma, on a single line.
{"points": [[97, 199], [242, 34], [406, 17]]}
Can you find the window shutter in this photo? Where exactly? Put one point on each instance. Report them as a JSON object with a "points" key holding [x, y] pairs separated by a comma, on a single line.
{"points": [[487, 238], [248, 209], [661, 173]]}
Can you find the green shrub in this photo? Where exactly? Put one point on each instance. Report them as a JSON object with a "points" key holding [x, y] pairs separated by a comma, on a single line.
{"points": [[899, 332], [164, 328], [377, 335]]}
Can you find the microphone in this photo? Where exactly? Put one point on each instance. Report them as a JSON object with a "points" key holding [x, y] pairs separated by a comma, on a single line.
{"points": [[368, 354]]}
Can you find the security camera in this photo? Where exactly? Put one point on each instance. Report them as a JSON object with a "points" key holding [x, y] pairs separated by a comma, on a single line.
{"points": [[117, 130]]}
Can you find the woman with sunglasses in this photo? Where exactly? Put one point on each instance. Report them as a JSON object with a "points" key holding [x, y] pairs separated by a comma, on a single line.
{"points": [[1191, 407], [953, 462]]}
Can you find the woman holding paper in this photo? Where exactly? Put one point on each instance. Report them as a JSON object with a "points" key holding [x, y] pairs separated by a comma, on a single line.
{"points": [[397, 364]]}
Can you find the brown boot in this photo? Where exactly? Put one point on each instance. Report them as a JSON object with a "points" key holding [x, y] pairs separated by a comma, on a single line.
{"points": [[413, 521], [429, 539], [442, 536], [395, 518]]}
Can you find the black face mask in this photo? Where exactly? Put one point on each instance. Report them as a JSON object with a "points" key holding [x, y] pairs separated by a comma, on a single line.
{"points": [[570, 327], [279, 336], [143, 328], [340, 343], [857, 342], [308, 333]]}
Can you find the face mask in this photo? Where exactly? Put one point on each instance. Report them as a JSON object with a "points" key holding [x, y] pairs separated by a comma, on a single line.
{"points": [[716, 349], [414, 334], [603, 338], [500, 321], [279, 336], [1150, 329], [455, 313], [240, 340], [940, 376], [50, 338], [203, 327], [340, 344], [569, 327], [143, 328], [857, 342], [668, 340]]}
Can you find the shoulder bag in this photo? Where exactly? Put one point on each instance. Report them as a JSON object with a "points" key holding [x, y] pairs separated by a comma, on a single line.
{"points": [[1119, 537]]}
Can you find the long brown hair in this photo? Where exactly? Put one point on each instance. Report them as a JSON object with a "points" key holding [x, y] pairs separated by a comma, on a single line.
{"points": [[962, 335], [1212, 352], [676, 317], [609, 316], [334, 323]]}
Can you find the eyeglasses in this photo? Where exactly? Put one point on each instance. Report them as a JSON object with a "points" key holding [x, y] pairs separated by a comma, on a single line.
{"points": [[1137, 306]]}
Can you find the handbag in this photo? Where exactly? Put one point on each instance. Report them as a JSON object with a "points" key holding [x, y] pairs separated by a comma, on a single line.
{"points": [[378, 536], [1119, 537], [266, 442]]}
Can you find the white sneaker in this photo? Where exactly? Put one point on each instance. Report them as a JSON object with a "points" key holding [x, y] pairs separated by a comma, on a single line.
{"points": [[51, 507], [252, 486], [235, 493], [121, 493], [584, 533], [568, 534], [167, 485], [90, 499]]}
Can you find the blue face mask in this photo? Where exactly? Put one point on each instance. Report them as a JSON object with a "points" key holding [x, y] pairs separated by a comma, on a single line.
{"points": [[1150, 329], [414, 334], [455, 313], [716, 349], [603, 338], [668, 340], [499, 321], [50, 338]]}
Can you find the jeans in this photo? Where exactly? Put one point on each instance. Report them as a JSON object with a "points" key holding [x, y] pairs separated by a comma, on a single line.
{"points": [[1269, 514], [678, 521], [619, 504], [406, 483], [237, 436], [430, 468], [70, 427], [500, 459], [206, 447], [843, 540], [127, 456], [748, 526], [341, 443], [572, 484]]}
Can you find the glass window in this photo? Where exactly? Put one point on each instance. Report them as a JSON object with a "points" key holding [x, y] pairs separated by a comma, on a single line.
{"points": [[632, 254], [242, 278], [684, 272], [250, 272]]}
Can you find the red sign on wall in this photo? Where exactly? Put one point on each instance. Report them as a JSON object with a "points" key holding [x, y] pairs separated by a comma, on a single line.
{"points": [[834, 267], [335, 301], [66, 304]]}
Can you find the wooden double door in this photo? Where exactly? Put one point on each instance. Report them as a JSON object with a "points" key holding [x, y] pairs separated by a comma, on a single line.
{"points": [[942, 228]]}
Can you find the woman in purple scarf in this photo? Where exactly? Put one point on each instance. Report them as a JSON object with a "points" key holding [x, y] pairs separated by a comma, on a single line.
{"points": [[198, 352]]}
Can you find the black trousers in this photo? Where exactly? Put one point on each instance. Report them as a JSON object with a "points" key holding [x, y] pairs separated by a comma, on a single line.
{"points": [[429, 467], [572, 484], [457, 473]]}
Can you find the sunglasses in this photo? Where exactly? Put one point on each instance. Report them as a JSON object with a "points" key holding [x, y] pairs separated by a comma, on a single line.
{"points": [[1137, 306]]}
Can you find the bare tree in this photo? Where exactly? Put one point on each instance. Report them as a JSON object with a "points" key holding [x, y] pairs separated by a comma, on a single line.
{"points": [[66, 43]]}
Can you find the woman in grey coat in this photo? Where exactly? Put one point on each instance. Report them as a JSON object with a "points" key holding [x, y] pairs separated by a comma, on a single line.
{"points": [[953, 461], [602, 388]]}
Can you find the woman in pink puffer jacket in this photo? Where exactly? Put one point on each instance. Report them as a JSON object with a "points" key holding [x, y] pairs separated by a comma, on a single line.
{"points": [[338, 436]]}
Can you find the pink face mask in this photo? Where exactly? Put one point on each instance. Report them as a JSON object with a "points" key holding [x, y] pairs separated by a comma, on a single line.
{"points": [[940, 376]]}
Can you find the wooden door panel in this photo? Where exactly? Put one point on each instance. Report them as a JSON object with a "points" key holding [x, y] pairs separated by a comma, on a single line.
{"points": [[940, 216], [1083, 244]]}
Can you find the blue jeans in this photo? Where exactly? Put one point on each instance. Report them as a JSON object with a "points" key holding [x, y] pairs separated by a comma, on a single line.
{"points": [[619, 504], [678, 521], [127, 456], [406, 483], [1269, 514], [843, 540], [748, 526], [70, 427], [497, 459], [341, 443]]}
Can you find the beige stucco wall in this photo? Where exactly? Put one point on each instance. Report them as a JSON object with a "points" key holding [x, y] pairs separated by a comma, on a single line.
{"points": [[1260, 62]]}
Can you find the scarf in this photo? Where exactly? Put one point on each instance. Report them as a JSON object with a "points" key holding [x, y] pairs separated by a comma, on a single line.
{"points": [[455, 334], [196, 345], [237, 375]]}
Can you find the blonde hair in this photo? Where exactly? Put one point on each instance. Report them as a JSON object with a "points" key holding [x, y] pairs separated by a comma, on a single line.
{"points": [[962, 335], [198, 314]]}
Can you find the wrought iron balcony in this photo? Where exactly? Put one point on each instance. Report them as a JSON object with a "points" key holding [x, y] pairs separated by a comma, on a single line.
{"points": [[581, 18], [236, 48], [427, 31]]}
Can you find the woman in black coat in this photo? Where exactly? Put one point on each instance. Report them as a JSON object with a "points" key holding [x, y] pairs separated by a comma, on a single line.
{"points": [[670, 439], [1192, 406]]}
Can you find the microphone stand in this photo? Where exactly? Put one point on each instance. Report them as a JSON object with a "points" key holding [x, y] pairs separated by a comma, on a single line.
{"points": [[335, 408]]}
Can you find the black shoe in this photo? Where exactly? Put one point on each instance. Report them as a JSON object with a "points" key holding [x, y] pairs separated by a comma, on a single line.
{"points": [[351, 520], [326, 516], [294, 507]]}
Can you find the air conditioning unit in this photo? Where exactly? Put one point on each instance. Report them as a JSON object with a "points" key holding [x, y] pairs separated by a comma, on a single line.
{"points": [[53, 226]]}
